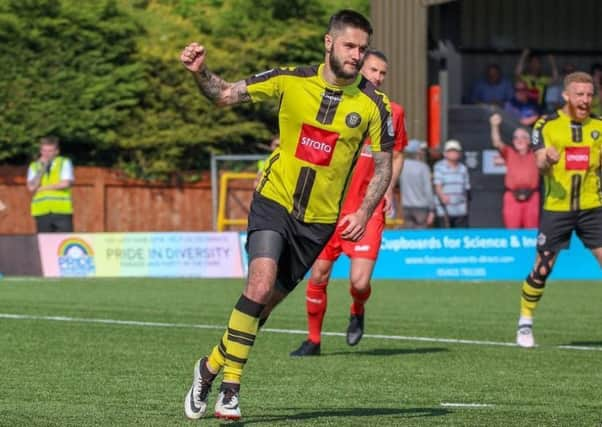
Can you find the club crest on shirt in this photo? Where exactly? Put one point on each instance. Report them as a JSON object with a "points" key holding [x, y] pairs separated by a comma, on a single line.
{"points": [[353, 120], [595, 135]]}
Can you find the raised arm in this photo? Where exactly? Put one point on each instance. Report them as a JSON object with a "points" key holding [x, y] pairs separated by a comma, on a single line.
{"points": [[216, 89], [496, 138], [520, 65]]}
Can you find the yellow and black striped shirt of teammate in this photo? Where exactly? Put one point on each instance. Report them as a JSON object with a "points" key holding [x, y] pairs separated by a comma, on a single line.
{"points": [[322, 128], [574, 182]]}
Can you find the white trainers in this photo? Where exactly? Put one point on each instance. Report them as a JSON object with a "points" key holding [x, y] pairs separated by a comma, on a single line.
{"points": [[195, 403], [524, 336], [226, 407]]}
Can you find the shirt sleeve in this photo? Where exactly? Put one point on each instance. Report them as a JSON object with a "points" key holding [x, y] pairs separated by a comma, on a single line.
{"points": [[399, 122], [67, 171], [266, 85], [504, 151], [31, 173], [381, 128], [437, 177], [537, 139], [428, 187]]}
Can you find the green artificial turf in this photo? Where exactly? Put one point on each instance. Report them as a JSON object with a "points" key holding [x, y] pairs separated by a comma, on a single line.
{"points": [[62, 366]]}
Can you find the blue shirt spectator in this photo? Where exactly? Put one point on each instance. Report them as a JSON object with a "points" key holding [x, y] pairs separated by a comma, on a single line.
{"points": [[521, 107], [493, 88]]}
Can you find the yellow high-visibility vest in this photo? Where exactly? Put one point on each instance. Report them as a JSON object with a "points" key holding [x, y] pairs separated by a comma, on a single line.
{"points": [[51, 201]]}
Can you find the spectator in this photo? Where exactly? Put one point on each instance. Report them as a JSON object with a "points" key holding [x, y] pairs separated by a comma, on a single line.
{"points": [[493, 88], [521, 198], [596, 71], [50, 179], [553, 98], [520, 107], [416, 186], [533, 76], [452, 188]]}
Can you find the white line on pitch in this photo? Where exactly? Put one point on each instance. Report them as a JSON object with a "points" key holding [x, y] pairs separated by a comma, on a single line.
{"points": [[467, 405], [278, 331]]}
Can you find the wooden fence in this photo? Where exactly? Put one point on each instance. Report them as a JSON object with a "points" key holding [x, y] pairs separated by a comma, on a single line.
{"points": [[106, 201]]}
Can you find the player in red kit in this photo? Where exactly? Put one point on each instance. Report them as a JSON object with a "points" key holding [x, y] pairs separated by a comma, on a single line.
{"points": [[363, 253]]}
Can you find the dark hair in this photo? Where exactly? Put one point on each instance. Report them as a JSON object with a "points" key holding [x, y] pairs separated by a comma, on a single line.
{"points": [[596, 66], [379, 54], [49, 140], [349, 18]]}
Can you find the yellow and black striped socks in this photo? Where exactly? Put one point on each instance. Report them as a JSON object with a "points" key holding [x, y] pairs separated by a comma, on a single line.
{"points": [[530, 296], [234, 348]]}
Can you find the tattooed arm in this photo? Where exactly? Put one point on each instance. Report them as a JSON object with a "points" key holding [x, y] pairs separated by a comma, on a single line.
{"points": [[219, 91], [216, 89], [355, 223], [379, 182]]}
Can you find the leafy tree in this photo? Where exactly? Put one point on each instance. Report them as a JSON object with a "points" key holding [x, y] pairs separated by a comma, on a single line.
{"points": [[106, 78], [67, 70]]}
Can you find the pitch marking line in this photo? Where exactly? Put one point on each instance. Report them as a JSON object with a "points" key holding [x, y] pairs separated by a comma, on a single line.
{"points": [[277, 331], [467, 405]]}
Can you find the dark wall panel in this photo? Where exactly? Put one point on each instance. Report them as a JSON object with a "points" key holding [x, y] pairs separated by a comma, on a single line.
{"points": [[19, 256]]}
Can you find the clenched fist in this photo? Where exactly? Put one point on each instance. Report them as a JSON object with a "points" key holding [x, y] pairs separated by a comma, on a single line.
{"points": [[193, 57]]}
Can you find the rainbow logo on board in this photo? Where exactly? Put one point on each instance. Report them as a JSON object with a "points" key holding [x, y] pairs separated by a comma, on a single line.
{"points": [[76, 257]]}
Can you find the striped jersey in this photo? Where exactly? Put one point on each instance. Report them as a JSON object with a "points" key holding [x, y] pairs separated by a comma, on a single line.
{"points": [[574, 182], [322, 128], [455, 183]]}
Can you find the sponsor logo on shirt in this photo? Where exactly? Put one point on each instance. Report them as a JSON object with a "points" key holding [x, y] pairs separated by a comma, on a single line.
{"points": [[576, 158], [316, 145], [332, 98]]}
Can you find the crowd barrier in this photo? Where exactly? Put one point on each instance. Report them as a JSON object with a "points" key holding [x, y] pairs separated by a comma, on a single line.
{"points": [[473, 254]]}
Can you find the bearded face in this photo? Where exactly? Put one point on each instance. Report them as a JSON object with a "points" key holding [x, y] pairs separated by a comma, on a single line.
{"points": [[343, 69]]}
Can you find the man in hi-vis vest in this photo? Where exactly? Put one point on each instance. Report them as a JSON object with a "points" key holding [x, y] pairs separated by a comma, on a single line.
{"points": [[50, 179]]}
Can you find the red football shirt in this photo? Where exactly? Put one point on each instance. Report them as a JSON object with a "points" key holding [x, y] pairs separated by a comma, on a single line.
{"points": [[364, 168]]}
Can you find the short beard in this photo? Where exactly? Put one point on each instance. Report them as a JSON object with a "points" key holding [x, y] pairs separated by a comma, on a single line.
{"points": [[337, 67]]}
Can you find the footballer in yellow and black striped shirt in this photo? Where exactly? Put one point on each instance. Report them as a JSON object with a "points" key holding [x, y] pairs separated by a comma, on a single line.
{"points": [[325, 113], [568, 150]]}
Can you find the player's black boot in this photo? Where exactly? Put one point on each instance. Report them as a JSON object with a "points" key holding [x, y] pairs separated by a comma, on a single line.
{"points": [[307, 348], [355, 330]]}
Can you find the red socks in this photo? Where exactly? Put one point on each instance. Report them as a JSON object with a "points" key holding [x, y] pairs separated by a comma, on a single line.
{"points": [[315, 302], [359, 299]]}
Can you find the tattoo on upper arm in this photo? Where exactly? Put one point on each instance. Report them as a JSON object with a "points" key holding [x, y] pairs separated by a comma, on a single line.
{"points": [[239, 92], [380, 181], [221, 92]]}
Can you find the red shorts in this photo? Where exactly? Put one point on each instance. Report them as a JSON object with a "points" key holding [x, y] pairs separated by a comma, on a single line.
{"points": [[367, 247]]}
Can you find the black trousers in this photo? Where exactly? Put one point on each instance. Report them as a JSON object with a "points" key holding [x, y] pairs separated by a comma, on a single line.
{"points": [[54, 223]]}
